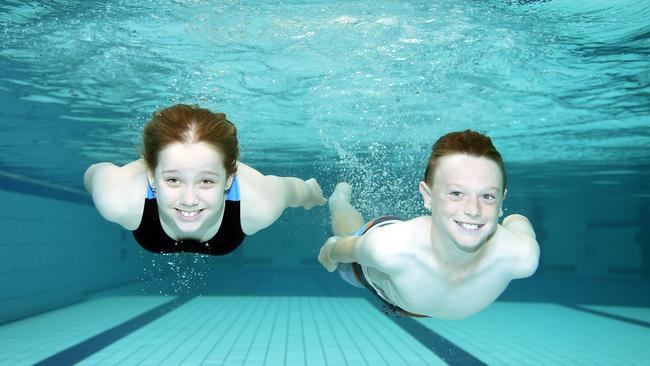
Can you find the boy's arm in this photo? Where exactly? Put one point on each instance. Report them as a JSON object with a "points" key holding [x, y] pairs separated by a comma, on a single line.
{"points": [[373, 249], [524, 245], [337, 250]]}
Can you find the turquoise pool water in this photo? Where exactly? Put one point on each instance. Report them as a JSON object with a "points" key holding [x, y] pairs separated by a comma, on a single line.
{"points": [[352, 91]]}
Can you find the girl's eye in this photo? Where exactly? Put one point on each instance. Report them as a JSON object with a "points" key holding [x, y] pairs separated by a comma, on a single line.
{"points": [[171, 180], [207, 181]]}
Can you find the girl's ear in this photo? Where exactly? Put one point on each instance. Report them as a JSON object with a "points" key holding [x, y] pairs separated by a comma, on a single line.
{"points": [[150, 176], [229, 181]]}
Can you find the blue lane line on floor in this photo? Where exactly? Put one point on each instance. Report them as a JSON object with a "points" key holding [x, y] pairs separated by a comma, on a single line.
{"points": [[608, 315], [445, 349], [449, 352], [80, 351]]}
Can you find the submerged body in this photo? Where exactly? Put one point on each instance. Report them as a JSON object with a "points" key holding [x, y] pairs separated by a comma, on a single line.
{"points": [[398, 261], [180, 198], [120, 195], [450, 264]]}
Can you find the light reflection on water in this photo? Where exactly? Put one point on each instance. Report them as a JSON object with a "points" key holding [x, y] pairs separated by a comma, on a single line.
{"points": [[354, 86]]}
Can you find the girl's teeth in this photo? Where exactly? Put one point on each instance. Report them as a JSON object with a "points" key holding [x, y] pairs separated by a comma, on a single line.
{"points": [[188, 213]]}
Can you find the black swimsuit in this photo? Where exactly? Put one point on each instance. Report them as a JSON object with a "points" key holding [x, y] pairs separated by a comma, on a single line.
{"points": [[151, 236]]}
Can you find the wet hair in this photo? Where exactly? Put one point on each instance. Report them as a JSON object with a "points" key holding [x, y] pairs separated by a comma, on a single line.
{"points": [[467, 142], [189, 124]]}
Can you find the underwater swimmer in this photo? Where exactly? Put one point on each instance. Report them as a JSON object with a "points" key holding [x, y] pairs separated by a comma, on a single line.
{"points": [[189, 193], [450, 264]]}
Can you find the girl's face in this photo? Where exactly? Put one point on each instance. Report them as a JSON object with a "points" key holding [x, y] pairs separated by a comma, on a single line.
{"points": [[190, 182]]}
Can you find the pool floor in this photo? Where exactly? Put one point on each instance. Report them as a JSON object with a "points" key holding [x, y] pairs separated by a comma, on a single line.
{"points": [[252, 321]]}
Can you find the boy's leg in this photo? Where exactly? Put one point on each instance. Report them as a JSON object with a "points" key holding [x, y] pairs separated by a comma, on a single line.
{"points": [[345, 219]]}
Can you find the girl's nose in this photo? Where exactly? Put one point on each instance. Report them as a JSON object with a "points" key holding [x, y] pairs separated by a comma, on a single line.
{"points": [[189, 197]]}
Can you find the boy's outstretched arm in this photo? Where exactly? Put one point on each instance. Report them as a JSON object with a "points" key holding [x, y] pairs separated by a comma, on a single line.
{"points": [[338, 250]]}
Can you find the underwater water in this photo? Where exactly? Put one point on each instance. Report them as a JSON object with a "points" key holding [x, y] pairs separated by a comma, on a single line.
{"points": [[355, 91]]}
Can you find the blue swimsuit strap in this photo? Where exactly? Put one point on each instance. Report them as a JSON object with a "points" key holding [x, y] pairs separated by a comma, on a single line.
{"points": [[150, 193], [232, 194]]}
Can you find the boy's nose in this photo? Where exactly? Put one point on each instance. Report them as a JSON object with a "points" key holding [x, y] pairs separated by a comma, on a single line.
{"points": [[472, 208]]}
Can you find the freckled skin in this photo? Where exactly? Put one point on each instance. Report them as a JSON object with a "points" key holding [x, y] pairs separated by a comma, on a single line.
{"points": [[449, 264]]}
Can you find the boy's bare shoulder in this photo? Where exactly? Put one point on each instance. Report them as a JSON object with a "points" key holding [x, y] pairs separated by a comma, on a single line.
{"points": [[400, 237], [516, 247]]}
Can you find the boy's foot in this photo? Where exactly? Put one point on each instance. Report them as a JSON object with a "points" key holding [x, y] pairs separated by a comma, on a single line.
{"points": [[342, 191]]}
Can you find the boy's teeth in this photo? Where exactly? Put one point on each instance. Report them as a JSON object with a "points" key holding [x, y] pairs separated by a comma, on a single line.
{"points": [[468, 226]]}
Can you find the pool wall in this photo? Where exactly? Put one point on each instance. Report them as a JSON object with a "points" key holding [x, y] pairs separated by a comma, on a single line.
{"points": [[53, 252], [55, 248]]}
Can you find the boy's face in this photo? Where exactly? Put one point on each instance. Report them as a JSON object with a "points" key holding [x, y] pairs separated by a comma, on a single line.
{"points": [[465, 199]]}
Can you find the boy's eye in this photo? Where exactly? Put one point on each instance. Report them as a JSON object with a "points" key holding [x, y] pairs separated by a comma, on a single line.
{"points": [[488, 197], [455, 195]]}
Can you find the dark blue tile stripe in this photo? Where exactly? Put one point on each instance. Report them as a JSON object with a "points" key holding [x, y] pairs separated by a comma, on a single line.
{"points": [[608, 315], [449, 352], [94, 344], [446, 350], [13, 184]]}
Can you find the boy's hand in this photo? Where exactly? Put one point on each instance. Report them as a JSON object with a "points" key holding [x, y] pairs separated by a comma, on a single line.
{"points": [[324, 255]]}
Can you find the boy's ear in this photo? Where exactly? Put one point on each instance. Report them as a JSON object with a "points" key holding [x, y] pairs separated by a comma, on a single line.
{"points": [[501, 208], [426, 195]]}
